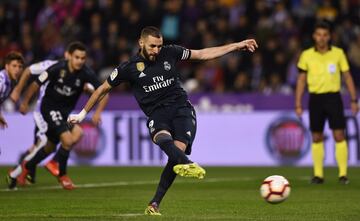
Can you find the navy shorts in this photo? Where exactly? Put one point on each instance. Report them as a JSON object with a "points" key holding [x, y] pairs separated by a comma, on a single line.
{"points": [[324, 107], [56, 122], [178, 119]]}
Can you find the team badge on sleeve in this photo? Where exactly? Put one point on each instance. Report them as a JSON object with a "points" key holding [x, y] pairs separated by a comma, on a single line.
{"points": [[167, 66], [140, 66], [62, 73], [43, 77], [113, 74]]}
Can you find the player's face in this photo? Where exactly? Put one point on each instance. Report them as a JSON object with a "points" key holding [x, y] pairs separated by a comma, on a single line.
{"points": [[14, 69], [77, 59], [150, 47], [321, 37]]}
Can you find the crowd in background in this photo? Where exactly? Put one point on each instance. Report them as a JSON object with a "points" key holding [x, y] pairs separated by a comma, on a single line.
{"points": [[41, 29]]}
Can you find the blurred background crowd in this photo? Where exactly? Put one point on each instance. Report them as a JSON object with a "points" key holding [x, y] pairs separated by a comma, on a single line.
{"points": [[41, 29]]}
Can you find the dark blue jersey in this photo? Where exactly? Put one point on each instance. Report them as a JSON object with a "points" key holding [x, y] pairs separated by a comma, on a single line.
{"points": [[63, 88], [153, 82]]}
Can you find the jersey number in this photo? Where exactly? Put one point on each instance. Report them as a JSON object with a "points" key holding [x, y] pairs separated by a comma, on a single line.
{"points": [[56, 115]]}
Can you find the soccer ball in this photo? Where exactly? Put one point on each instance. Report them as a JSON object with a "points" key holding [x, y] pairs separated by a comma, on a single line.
{"points": [[275, 189]]}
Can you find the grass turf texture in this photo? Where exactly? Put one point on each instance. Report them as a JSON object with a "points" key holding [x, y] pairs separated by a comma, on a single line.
{"points": [[227, 193]]}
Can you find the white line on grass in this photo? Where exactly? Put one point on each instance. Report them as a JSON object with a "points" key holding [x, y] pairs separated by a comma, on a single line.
{"points": [[124, 183], [134, 183], [34, 215]]}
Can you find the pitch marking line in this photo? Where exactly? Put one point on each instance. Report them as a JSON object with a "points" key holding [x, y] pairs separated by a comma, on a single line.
{"points": [[27, 216], [121, 183], [134, 183]]}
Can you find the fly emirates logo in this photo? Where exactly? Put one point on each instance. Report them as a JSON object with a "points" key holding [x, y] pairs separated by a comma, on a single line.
{"points": [[159, 83]]}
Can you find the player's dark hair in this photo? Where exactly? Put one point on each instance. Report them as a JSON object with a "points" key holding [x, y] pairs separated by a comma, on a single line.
{"points": [[322, 25], [76, 45], [150, 30], [14, 55]]}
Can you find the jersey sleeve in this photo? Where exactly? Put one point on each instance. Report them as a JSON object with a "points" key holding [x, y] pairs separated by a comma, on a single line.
{"points": [[40, 67], [47, 75], [179, 52], [42, 78], [119, 74], [302, 64], [344, 65], [91, 78]]}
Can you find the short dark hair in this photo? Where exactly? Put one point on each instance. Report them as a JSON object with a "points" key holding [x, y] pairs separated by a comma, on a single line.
{"points": [[150, 30], [322, 25], [76, 45], [14, 55]]}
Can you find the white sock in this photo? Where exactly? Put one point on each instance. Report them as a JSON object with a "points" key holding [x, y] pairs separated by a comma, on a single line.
{"points": [[16, 172]]}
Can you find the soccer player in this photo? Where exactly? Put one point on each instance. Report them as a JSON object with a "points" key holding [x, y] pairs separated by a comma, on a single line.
{"points": [[28, 76], [14, 62], [154, 79], [64, 83], [322, 67]]}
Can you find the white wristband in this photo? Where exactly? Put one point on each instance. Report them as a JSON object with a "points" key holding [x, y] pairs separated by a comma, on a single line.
{"points": [[82, 115]]}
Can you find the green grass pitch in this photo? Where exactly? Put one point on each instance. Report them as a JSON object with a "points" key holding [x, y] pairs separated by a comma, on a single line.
{"points": [[227, 193]]}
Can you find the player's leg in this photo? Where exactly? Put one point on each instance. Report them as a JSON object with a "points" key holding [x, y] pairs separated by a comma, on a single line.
{"points": [[42, 149], [337, 124], [67, 141], [341, 154], [166, 142], [317, 117], [184, 125], [184, 129], [40, 140], [159, 125], [167, 178], [53, 165], [20, 173], [317, 151], [49, 124]]}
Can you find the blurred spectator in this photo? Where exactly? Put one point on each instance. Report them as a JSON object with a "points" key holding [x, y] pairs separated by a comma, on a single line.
{"points": [[170, 25], [41, 29], [327, 11], [241, 83]]}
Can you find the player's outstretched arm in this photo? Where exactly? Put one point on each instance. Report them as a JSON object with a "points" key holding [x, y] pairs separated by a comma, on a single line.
{"points": [[215, 52], [96, 118], [24, 107], [98, 94], [15, 94]]}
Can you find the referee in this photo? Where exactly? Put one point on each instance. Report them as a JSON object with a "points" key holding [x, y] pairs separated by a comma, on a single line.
{"points": [[321, 67]]}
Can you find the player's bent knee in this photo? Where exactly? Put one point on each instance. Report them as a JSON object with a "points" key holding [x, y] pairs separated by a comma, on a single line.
{"points": [[68, 143], [317, 137], [162, 137], [77, 133], [181, 145]]}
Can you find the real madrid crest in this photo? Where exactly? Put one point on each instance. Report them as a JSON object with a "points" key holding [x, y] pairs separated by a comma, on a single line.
{"points": [[167, 66], [140, 66], [77, 82], [62, 73]]}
